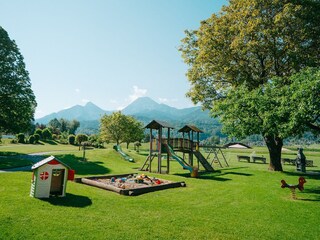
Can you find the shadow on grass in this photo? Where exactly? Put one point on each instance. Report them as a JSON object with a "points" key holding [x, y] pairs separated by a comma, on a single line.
{"points": [[83, 167], [315, 193], [7, 154], [217, 175], [12, 160], [240, 174], [205, 176], [70, 200], [309, 174]]}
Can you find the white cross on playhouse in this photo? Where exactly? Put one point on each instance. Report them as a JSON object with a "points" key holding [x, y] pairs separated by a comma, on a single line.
{"points": [[50, 178]]}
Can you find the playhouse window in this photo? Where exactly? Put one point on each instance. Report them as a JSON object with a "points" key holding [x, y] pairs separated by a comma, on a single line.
{"points": [[56, 172]]}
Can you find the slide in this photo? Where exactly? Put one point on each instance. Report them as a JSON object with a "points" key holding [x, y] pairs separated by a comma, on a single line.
{"points": [[203, 161], [125, 156], [179, 159]]}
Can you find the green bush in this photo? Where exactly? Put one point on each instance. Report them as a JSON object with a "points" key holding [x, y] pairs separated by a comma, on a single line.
{"points": [[36, 138], [46, 134], [32, 139], [55, 136], [21, 138], [39, 132], [72, 139]]}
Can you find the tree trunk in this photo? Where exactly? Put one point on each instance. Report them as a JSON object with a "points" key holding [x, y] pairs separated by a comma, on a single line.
{"points": [[274, 145]]}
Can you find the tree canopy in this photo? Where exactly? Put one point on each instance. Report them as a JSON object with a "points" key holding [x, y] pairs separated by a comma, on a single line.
{"points": [[63, 125], [17, 100], [120, 128], [240, 59]]}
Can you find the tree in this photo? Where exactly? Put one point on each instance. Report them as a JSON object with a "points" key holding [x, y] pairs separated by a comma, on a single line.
{"points": [[73, 126], [303, 100], [134, 131], [17, 101], [55, 126], [63, 125], [239, 51], [120, 128]]}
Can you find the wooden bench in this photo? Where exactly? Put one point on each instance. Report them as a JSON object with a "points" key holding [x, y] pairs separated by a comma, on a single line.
{"points": [[309, 163], [247, 158], [262, 159], [288, 160]]}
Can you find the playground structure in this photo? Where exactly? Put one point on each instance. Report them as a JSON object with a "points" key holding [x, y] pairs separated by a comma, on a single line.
{"points": [[169, 146], [124, 155]]}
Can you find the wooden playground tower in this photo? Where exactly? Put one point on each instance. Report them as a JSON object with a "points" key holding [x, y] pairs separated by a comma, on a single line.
{"points": [[156, 147], [160, 146]]}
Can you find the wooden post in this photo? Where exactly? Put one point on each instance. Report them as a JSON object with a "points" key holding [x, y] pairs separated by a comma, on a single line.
{"points": [[168, 156], [84, 152], [150, 151], [191, 150], [159, 150]]}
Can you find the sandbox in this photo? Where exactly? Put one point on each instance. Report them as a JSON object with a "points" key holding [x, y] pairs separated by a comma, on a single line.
{"points": [[129, 184]]}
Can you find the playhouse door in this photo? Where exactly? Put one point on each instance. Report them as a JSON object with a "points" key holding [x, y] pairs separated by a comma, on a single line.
{"points": [[57, 182]]}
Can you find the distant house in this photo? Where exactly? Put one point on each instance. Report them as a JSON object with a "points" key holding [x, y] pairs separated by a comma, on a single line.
{"points": [[236, 145], [50, 178]]}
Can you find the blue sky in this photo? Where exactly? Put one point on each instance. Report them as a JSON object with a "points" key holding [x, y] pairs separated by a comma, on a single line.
{"points": [[109, 52]]}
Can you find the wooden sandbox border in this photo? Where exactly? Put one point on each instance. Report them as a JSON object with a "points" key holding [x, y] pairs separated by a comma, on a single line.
{"points": [[127, 192]]}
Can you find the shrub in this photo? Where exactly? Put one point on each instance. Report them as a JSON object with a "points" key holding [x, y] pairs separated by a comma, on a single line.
{"points": [[39, 132], [72, 139], [55, 136], [46, 134], [36, 138], [21, 138], [32, 139]]}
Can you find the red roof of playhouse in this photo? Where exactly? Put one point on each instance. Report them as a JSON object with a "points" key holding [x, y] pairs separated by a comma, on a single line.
{"points": [[49, 160]]}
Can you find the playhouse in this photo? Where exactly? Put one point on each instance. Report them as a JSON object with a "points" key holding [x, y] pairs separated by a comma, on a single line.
{"points": [[50, 177]]}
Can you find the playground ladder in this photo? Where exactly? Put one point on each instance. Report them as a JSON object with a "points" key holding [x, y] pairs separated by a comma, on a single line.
{"points": [[147, 163]]}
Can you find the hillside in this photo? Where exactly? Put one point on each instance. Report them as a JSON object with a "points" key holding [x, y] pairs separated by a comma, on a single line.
{"points": [[145, 110], [88, 112]]}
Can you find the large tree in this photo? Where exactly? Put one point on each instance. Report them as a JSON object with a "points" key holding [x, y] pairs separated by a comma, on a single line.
{"points": [[120, 128], [303, 100], [134, 131], [241, 49], [17, 101]]}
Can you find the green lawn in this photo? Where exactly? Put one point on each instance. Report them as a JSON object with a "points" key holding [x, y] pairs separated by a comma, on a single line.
{"points": [[243, 201]]}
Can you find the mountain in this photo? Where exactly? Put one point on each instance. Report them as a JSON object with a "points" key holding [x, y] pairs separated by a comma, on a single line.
{"points": [[89, 112], [145, 110], [145, 107]]}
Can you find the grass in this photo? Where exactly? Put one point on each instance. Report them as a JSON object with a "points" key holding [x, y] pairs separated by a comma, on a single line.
{"points": [[243, 201]]}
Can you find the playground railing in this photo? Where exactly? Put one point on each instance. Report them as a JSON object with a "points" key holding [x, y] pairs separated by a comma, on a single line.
{"points": [[176, 143]]}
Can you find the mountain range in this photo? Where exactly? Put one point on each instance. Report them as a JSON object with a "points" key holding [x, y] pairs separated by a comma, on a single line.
{"points": [[144, 109]]}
